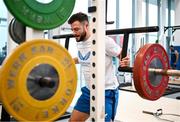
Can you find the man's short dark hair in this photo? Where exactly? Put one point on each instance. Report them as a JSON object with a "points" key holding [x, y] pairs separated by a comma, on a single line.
{"points": [[172, 46], [81, 17]]}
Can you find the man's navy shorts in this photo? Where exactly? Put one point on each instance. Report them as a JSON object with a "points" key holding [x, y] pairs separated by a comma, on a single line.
{"points": [[111, 102]]}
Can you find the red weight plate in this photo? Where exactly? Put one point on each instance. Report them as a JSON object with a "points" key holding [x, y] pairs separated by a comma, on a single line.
{"points": [[149, 85]]}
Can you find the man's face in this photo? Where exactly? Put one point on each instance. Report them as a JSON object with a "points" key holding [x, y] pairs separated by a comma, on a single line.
{"points": [[78, 30], [171, 48]]}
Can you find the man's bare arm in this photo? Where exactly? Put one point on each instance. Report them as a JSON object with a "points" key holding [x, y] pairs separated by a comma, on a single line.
{"points": [[76, 60], [177, 56]]}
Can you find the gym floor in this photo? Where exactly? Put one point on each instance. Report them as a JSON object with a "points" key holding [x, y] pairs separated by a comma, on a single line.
{"points": [[131, 105]]}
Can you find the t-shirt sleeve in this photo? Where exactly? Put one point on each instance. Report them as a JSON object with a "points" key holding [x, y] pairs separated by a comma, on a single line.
{"points": [[112, 48]]}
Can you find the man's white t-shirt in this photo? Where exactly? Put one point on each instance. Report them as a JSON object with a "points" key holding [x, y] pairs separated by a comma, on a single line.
{"points": [[84, 58]]}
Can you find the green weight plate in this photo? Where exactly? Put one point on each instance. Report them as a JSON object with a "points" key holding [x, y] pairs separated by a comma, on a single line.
{"points": [[41, 16]]}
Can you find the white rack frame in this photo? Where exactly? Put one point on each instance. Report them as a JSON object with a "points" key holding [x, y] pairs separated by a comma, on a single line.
{"points": [[97, 88]]}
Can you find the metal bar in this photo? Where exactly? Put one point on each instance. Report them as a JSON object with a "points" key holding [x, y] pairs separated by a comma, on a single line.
{"points": [[157, 114], [125, 69], [174, 28], [168, 72], [106, 17], [133, 30], [118, 31], [63, 36], [67, 43], [177, 26], [125, 45], [148, 112], [44, 81]]}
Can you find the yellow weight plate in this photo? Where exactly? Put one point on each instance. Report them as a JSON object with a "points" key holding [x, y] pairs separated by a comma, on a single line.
{"points": [[20, 99]]}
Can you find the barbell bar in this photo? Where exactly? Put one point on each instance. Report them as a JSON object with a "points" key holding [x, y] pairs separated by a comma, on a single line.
{"points": [[168, 72], [43, 81]]}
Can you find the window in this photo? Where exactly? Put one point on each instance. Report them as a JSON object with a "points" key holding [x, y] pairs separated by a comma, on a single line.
{"points": [[3, 31], [125, 13], [153, 19]]}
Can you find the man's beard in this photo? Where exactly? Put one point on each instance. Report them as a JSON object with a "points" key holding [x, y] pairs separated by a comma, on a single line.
{"points": [[82, 37]]}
